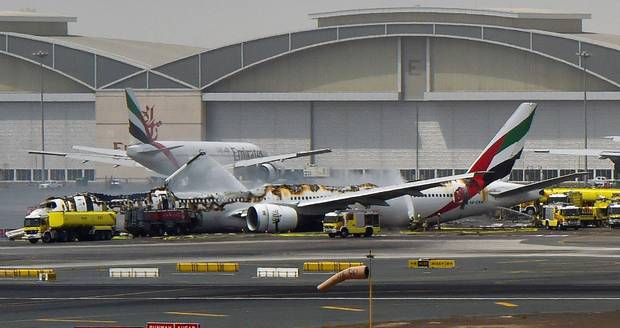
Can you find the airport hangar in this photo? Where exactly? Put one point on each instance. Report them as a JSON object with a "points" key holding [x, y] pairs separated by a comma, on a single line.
{"points": [[394, 88]]}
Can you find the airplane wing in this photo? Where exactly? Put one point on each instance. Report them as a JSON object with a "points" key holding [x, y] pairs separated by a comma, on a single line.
{"points": [[379, 196], [114, 157], [276, 158], [603, 153], [102, 151], [538, 185]]}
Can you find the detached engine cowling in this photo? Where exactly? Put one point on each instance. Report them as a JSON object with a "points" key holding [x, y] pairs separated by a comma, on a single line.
{"points": [[271, 218], [268, 172]]}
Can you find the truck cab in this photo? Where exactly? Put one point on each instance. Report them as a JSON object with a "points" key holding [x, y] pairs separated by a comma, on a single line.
{"points": [[35, 223], [613, 213], [561, 216], [351, 222]]}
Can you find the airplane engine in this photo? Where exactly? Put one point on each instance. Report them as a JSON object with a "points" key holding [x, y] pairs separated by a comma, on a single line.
{"points": [[268, 172], [271, 218]]}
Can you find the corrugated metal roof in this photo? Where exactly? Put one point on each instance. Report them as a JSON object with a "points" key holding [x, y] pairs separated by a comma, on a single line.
{"points": [[499, 12], [611, 39], [148, 54]]}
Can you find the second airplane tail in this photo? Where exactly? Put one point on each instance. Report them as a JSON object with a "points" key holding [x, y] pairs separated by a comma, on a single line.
{"points": [[137, 125]]}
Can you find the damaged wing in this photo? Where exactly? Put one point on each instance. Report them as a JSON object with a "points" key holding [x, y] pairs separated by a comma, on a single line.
{"points": [[379, 195]]}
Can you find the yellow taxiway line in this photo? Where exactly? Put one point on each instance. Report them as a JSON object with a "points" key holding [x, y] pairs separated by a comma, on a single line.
{"points": [[341, 308], [506, 304], [197, 314]]}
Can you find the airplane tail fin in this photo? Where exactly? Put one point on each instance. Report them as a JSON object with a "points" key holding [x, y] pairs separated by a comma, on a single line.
{"points": [[505, 148], [137, 126]]}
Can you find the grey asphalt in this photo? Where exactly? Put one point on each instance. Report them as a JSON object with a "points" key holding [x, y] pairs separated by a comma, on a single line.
{"points": [[495, 275]]}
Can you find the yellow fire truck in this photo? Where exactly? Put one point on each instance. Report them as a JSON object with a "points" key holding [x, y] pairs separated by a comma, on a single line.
{"points": [[351, 222]]}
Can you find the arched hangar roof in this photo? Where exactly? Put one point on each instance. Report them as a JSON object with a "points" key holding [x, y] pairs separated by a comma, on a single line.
{"points": [[218, 64], [101, 64]]}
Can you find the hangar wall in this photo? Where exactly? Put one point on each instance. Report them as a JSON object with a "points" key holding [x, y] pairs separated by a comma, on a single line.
{"points": [[66, 124], [303, 90], [382, 135], [278, 127]]}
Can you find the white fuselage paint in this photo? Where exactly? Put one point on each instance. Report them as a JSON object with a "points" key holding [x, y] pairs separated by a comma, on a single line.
{"points": [[224, 153], [397, 214], [482, 203]]}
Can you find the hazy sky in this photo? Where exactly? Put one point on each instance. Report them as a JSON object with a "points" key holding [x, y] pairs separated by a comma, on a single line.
{"points": [[211, 23]]}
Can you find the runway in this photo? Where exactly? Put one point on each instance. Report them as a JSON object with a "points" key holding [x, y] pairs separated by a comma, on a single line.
{"points": [[495, 275]]}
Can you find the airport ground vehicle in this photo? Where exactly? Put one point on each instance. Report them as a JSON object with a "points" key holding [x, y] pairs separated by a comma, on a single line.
{"points": [[351, 222], [613, 215], [528, 208], [141, 222], [50, 185], [67, 226], [592, 206], [560, 216], [81, 217], [588, 195]]}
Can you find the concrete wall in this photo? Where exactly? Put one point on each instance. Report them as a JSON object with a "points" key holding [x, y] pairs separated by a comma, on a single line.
{"points": [[66, 124], [462, 65], [277, 127], [367, 65], [181, 114], [35, 28], [22, 76], [375, 135]]}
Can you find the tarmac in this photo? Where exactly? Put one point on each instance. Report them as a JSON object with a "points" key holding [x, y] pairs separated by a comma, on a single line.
{"points": [[498, 275]]}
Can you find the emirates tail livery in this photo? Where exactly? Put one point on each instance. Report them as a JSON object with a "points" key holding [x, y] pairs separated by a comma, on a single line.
{"points": [[165, 157], [463, 198], [484, 193]]}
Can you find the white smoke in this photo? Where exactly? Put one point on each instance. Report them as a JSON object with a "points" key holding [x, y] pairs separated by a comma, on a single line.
{"points": [[203, 176]]}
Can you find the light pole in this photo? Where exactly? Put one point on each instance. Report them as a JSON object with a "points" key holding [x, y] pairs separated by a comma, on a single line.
{"points": [[583, 55], [417, 142], [370, 257], [41, 55]]}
